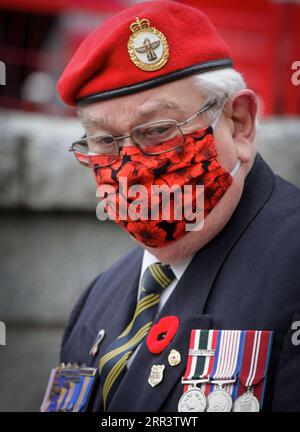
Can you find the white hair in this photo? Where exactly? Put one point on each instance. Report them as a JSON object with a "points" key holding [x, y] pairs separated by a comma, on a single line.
{"points": [[220, 82]]}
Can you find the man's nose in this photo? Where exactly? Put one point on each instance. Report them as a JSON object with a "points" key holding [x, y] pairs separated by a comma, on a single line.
{"points": [[127, 142]]}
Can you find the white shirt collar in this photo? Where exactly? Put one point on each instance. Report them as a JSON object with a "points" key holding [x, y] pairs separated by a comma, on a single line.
{"points": [[178, 268]]}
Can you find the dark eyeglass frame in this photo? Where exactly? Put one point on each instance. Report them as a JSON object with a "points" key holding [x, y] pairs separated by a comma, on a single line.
{"points": [[207, 106]]}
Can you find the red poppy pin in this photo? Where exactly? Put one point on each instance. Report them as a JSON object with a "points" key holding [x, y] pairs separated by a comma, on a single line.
{"points": [[161, 334]]}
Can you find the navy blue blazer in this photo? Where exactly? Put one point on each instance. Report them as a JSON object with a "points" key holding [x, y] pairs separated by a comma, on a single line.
{"points": [[247, 277]]}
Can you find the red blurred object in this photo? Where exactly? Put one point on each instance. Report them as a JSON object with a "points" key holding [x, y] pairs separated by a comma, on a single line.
{"points": [[264, 37], [57, 6]]}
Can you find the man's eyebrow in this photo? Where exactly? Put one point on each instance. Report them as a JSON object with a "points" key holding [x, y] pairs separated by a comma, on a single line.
{"points": [[161, 104], [141, 115]]}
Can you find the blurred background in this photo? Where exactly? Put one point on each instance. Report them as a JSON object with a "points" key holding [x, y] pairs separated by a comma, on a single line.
{"points": [[51, 243]]}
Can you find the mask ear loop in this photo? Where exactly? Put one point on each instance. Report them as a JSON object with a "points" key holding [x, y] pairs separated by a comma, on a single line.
{"points": [[236, 168]]}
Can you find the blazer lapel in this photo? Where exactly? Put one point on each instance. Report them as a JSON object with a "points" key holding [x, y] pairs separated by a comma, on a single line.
{"points": [[119, 311], [189, 300], [193, 289], [143, 397]]}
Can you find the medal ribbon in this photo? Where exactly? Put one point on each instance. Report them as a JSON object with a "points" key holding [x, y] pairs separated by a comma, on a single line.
{"points": [[255, 360], [68, 389], [227, 355], [72, 400], [84, 401], [46, 400], [65, 403], [56, 391], [227, 360], [199, 367]]}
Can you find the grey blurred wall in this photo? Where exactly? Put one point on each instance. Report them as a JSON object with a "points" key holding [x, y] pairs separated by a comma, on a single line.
{"points": [[52, 245]]}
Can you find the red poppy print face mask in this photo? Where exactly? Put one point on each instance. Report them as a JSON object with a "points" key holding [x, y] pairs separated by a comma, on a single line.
{"points": [[193, 173]]}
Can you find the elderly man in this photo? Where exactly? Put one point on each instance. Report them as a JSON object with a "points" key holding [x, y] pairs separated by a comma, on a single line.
{"points": [[190, 320]]}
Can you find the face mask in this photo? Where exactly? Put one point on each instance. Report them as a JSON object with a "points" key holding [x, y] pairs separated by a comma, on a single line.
{"points": [[189, 168]]}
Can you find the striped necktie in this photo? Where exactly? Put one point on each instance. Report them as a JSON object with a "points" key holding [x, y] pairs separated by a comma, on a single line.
{"points": [[112, 365]]}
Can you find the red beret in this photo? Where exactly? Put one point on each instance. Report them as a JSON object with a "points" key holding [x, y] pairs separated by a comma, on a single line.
{"points": [[144, 46]]}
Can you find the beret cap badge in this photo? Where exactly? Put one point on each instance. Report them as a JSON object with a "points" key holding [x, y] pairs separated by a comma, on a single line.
{"points": [[147, 47]]}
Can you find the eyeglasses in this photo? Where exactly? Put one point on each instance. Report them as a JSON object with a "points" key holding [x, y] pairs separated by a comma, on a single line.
{"points": [[152, 138]]}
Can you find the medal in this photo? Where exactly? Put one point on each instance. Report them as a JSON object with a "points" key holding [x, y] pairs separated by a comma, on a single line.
{"points": [[199, 365], [246, 403], [219, 400], [193, 400], [254, 366], [225, 369]]}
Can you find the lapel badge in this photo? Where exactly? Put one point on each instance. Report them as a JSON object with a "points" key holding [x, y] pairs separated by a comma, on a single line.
{"points": [[98, 340], [174, 358], [147, 47], [156, 375]]}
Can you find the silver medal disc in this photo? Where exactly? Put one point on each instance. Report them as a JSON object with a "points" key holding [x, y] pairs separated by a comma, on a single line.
{"points": [[194, 400], [246, 403], [219, 401]]}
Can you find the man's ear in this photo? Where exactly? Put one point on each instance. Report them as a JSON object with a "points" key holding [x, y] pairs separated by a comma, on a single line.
{"points": [[242, 110]]}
